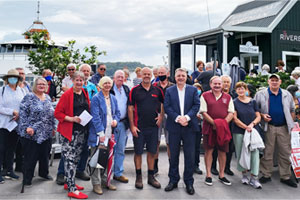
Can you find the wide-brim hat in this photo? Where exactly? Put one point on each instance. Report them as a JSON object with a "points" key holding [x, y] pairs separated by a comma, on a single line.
{"points": [[12, 73]]}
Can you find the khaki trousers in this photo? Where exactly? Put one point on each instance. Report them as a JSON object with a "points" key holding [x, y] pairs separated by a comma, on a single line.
{"points": [[279, 138]]}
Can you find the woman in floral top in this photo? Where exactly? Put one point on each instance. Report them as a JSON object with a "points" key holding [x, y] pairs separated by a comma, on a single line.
{"points": [[36, 127]]}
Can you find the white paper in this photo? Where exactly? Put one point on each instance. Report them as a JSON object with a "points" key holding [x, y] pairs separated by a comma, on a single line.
{"points": [[85, 118], [11, 125]]}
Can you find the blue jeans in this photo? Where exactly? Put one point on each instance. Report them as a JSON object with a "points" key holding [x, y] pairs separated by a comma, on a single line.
{"points": [[119, 149], [82, 162]]}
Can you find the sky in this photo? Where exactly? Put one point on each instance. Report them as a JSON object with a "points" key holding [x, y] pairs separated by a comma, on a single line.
{"points": [[128, 30]]}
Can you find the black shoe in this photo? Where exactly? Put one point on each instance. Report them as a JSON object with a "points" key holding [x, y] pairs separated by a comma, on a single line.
{"points": [[225, 181], [265, 179], [190, 189], [208, 181], [214, 171], [171, 186], [48, 177], [198, 171], [155, 171], [60, 179], [82, 175], [289, 182], [11, 175], [229, 172]]}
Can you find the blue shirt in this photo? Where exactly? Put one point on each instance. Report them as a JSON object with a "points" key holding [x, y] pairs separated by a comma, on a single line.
{"points": [[121, 101], [276, 109], [91, 88]]}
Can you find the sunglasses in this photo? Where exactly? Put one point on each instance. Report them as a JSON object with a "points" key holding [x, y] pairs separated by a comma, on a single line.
{"points": [[71, 69], [102, 69]]}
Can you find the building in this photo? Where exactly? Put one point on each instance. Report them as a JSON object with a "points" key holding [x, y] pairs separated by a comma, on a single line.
{"points": [[257, 32], [14, 53]]}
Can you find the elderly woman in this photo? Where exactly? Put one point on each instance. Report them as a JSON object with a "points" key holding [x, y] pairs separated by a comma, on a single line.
{"points": [[138, 79], [11, 96], [265, 70], [246, 117], [36, 126], [106, 115], [71, 104], [296, 76]]}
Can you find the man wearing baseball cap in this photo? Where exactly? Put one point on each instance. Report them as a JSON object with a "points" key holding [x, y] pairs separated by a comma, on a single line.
{"points": [[277, 112]]}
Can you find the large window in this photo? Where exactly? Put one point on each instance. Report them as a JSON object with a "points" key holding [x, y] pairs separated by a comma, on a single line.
{"points": [[291, 60]]}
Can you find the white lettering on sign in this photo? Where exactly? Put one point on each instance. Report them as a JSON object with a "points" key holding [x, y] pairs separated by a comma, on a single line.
{"points": [[286, 37], [249, 48]]}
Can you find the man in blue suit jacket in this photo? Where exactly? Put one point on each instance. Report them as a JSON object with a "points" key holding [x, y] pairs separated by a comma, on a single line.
{"points": [[181, 105]]}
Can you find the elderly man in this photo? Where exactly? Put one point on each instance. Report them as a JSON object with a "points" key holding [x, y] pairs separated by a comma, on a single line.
{"points": [[89, 86], [121, 92], [205, 76], [47, 74], [23, 84], [217, 109], [163, 83], [181, 105], [226, 84], [67, 81], [145, 101], [278, 112], [100, 73]]}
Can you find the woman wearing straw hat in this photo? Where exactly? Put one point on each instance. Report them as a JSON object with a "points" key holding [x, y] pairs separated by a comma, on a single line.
{"points": [[11, 96]]}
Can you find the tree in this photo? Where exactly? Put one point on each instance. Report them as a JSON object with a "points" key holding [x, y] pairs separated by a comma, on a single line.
{"points": [[47, 55]]}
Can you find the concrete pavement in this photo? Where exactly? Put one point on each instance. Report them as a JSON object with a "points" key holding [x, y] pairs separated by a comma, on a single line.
{"points": [[50, 190]]}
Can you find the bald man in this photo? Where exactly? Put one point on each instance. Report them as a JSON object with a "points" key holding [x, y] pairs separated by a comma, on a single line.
{"points": [[145, 103]]}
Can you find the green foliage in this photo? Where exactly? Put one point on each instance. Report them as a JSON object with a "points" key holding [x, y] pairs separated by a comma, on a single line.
{"points": [[262, 81], [113, 66], [47, 55]]}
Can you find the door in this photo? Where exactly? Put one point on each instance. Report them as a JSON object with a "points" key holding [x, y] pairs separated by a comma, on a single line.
{"points": [[249, 61], [291, 60]]}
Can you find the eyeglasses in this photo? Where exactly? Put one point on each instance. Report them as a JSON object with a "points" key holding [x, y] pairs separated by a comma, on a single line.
{"points": [[102, 69], [71, 69]]}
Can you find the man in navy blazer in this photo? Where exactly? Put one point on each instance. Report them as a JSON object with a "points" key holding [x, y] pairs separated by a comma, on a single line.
{"points": [[181, 105]]}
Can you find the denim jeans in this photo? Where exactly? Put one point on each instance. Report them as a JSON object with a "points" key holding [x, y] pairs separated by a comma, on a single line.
{"points": [[82, 162], [119, 149]]}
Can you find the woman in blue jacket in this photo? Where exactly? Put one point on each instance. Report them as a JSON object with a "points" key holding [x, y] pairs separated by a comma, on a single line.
{"points": [[106, 115]]}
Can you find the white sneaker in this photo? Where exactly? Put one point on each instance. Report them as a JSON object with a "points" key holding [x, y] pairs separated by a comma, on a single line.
{"points": [[255, 183], [245, 180]]}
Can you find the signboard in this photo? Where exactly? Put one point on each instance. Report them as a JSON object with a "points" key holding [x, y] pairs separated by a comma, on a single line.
{"points": [[249, 48], [295, 154], [289, 37]]}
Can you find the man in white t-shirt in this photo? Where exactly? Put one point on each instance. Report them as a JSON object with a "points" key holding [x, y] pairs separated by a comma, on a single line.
{"points": [[67, 81]]}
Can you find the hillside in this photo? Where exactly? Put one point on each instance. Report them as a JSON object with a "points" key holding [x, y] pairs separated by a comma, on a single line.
{"points": [[113, 66]]}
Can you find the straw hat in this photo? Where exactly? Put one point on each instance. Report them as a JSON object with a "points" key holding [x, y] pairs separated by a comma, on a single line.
{"points": [[12, 73]]}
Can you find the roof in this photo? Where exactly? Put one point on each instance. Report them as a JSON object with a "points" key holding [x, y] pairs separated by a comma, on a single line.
{"points": [[260, 16], [28, 41]]}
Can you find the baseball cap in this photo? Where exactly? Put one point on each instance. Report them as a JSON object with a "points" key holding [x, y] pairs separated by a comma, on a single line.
{"points": [[274, 76]]}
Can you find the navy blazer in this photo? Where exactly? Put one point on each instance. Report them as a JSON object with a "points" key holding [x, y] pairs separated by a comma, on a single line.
{"points": [[172, 107]]}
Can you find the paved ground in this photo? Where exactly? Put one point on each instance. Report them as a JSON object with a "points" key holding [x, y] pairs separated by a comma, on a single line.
{"points": [[50, 190]]}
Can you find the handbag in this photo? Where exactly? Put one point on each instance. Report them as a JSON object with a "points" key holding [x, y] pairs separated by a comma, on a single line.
{"points": [[99, 159]]}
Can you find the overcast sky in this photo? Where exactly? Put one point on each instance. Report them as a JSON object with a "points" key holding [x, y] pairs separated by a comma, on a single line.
{"points": [[129, 30]]}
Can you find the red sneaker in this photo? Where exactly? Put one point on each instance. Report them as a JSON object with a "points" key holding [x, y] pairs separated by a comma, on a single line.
{"points": [[77, 186], [78, 196]]}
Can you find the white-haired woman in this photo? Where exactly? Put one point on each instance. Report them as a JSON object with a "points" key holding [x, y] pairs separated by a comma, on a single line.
{"points": [[36, 126], [296, 75], [71, 104], [106, 115], [11, 96], [265, 70]]}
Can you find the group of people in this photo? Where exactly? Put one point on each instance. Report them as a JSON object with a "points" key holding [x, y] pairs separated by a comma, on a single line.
{"points": [[184, 113]]}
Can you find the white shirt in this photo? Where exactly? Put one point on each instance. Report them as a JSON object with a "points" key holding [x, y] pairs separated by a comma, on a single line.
{"points": [[181, 95], [67, 82]]}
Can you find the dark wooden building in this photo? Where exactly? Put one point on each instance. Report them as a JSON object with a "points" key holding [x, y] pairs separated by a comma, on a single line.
{"points": [[258, 32]]}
